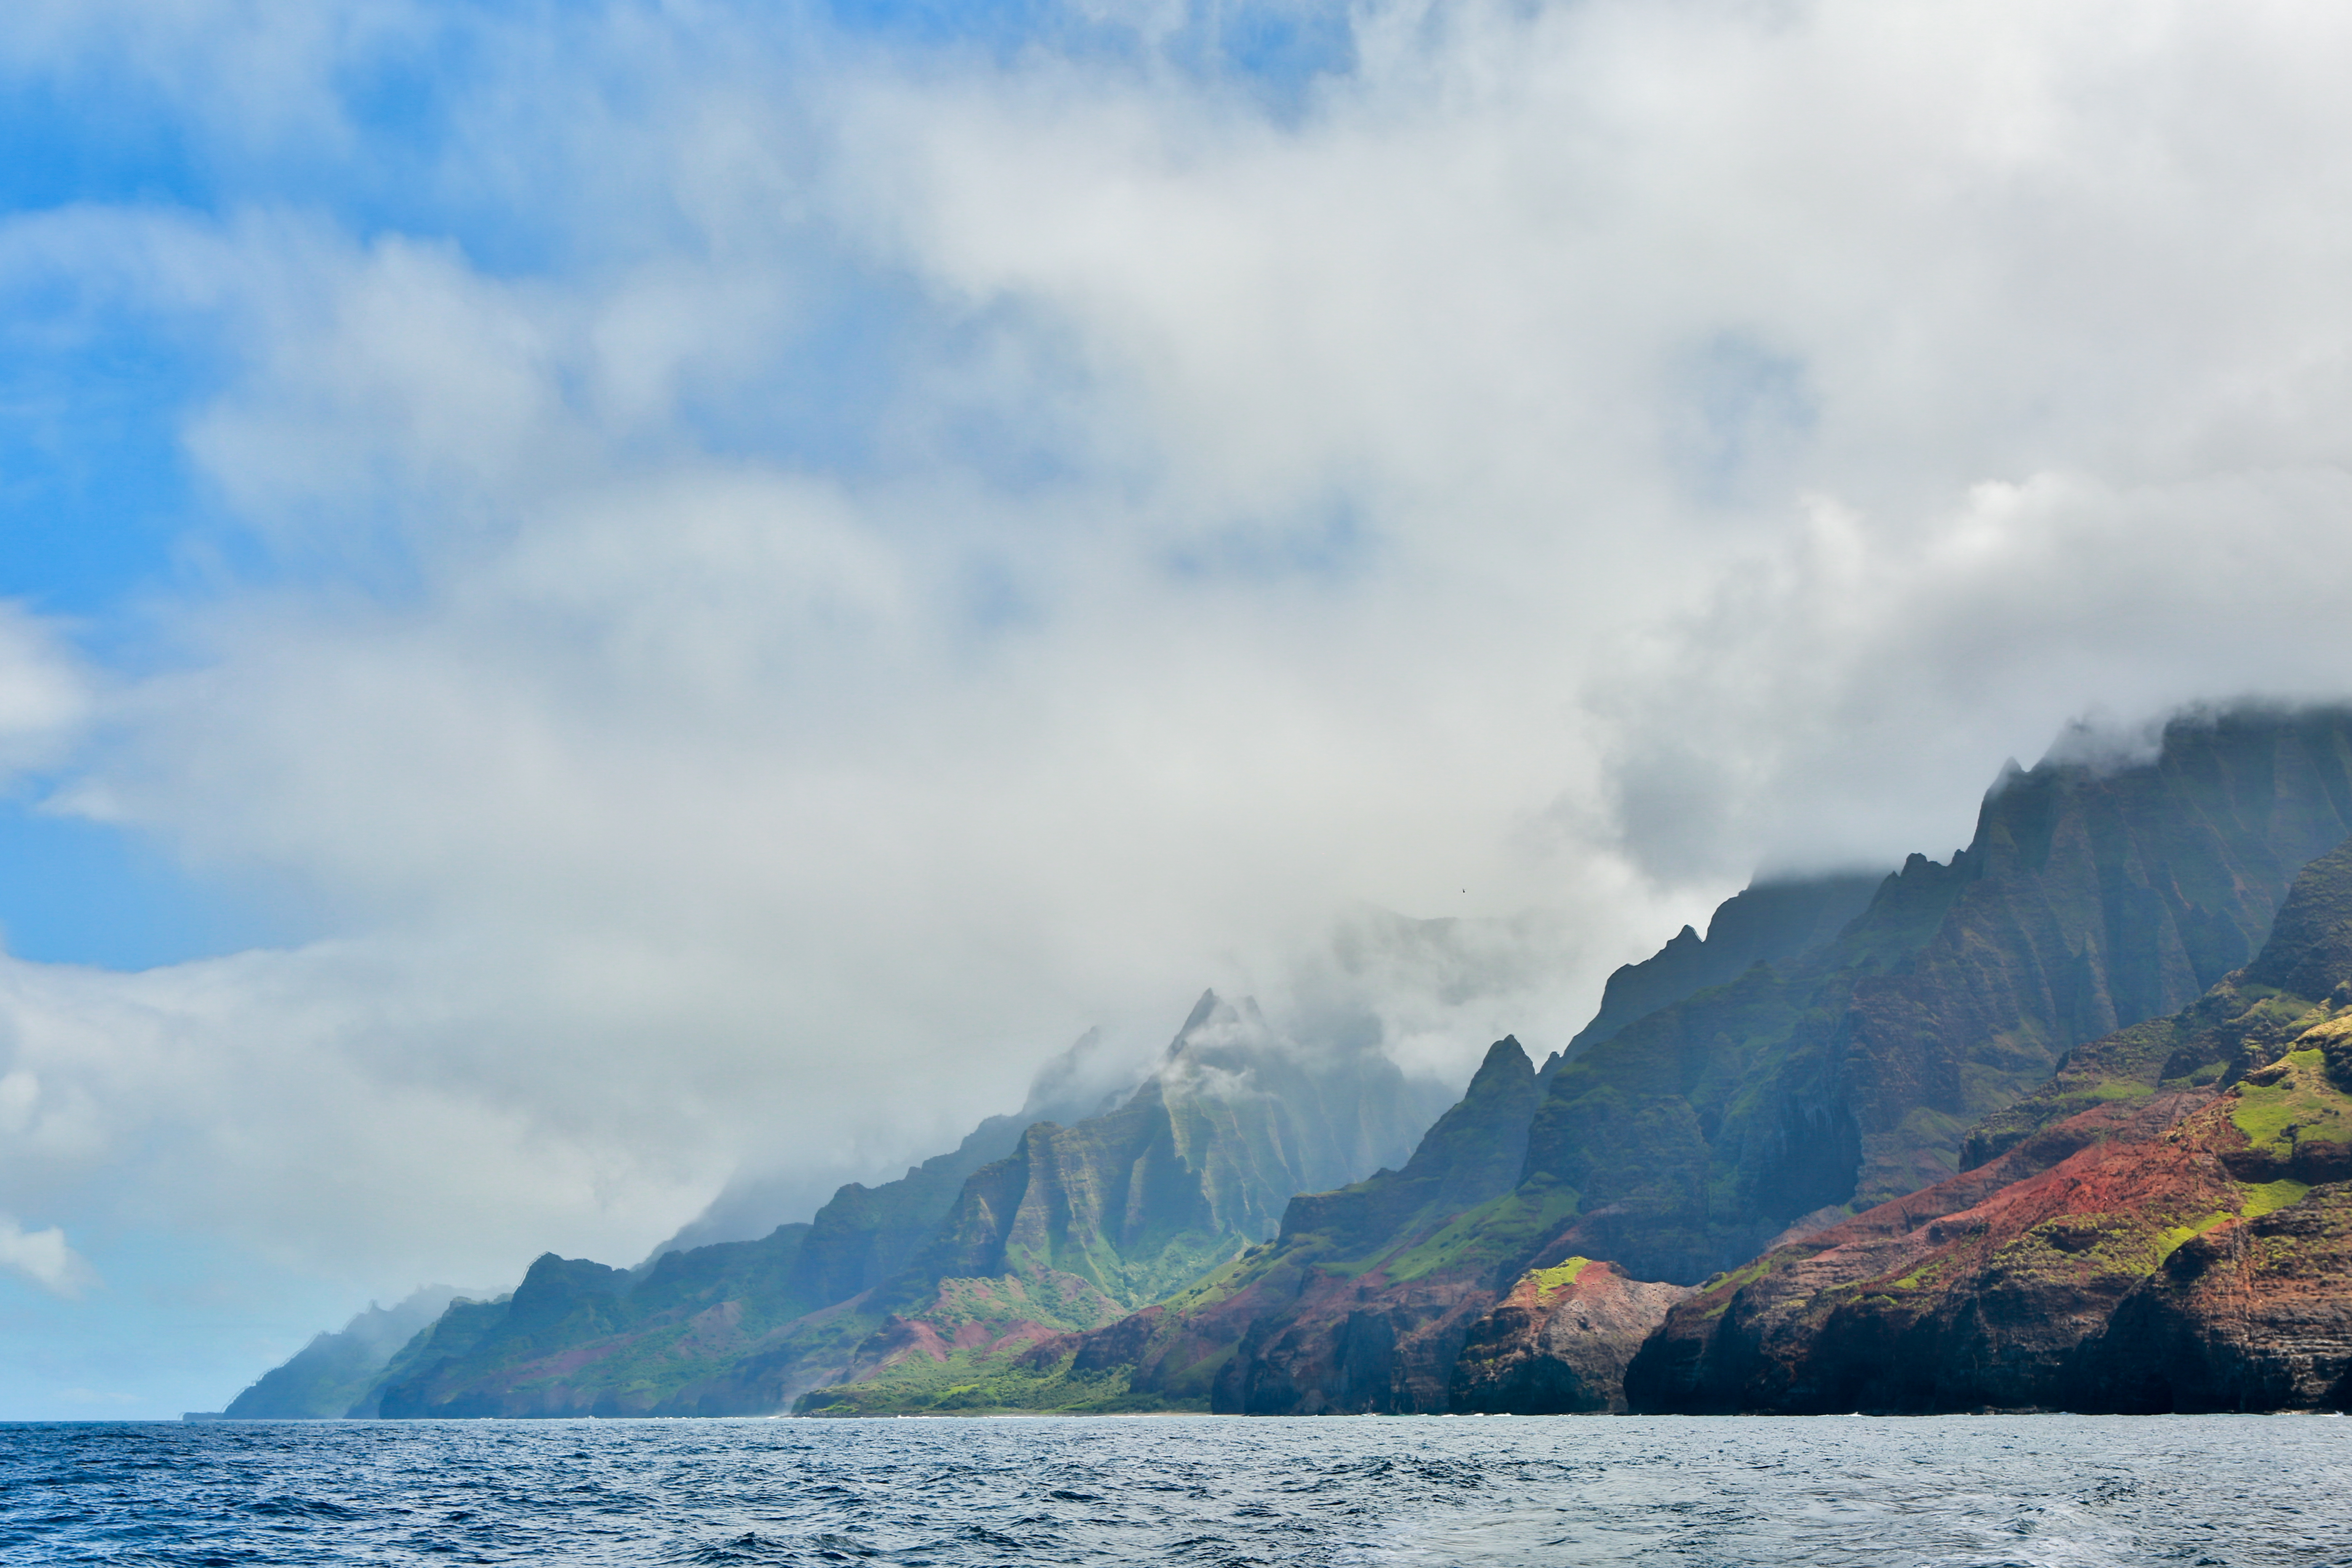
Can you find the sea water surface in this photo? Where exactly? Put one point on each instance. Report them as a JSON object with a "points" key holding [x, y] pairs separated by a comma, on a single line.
{"points": [[2046, 1490]]}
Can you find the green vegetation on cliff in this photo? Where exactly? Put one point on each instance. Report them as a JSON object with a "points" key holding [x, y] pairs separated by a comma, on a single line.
{"points": [[2243, 1022]]}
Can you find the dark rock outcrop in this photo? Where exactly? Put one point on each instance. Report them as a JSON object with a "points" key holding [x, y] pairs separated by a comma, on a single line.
{"points": [[1319, 1333], [1938, 1303], [1559, 1343], [2252, 1316]]}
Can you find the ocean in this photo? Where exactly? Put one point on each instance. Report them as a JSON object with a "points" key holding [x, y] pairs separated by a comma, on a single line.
{"points": [[1979, 1490]]}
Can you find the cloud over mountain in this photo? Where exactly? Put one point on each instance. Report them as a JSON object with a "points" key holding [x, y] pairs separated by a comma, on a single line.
{"points": [[749, 573]]}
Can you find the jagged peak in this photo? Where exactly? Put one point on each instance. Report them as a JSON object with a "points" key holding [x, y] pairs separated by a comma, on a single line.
{"points": [[1214, 1021], [1203, 1011], [1505, 1056], [1780, 914]]}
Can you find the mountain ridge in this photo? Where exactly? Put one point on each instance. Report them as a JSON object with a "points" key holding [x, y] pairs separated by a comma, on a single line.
{"points": [[1837, 1055], [1069, 1228], [1694, 1138]]}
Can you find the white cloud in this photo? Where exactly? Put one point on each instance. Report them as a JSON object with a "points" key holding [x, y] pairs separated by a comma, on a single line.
{"points": [[1824, 695], [906, 557], [45, 692], [43, 1256]]}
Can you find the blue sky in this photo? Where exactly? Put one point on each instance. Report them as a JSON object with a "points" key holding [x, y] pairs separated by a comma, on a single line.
{"points": [[597, 600]]}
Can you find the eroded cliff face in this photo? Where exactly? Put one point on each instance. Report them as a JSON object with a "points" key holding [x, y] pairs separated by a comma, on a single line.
{"points": [[1953, 1298], [1559, 1343], [1816, 1084], [2085, 902], [2252, 1316], [2177, 1243], [2182, 1266]]}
